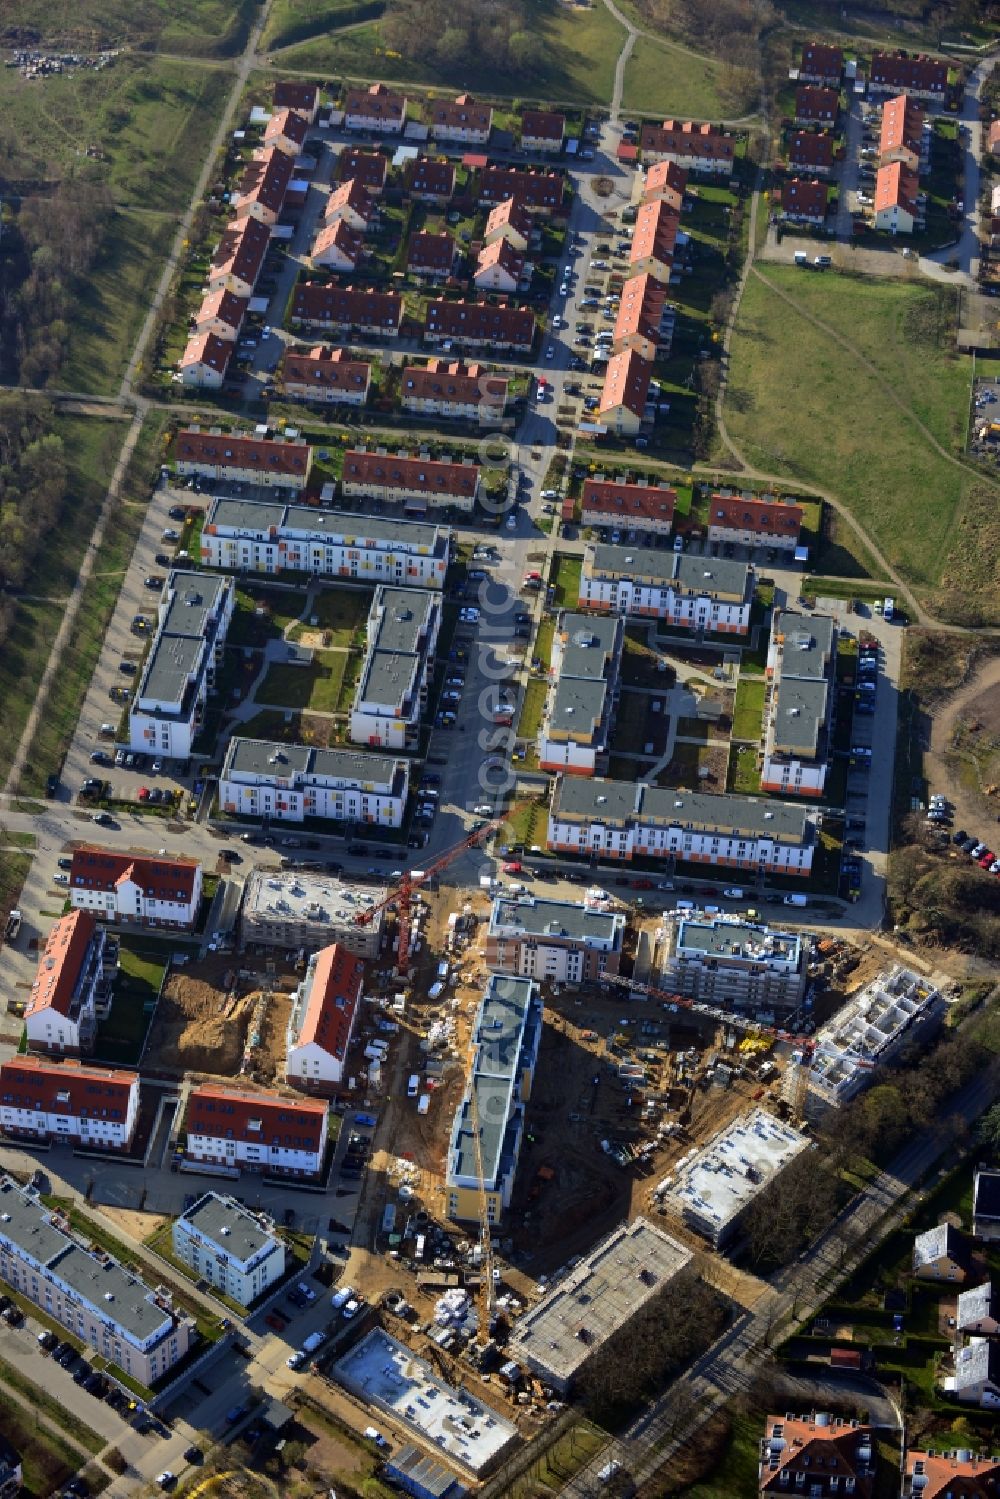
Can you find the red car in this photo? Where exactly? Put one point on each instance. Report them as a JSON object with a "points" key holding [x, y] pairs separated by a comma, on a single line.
{"points": [[143, 793], [642, 884], [512, 868], [987, 859]]}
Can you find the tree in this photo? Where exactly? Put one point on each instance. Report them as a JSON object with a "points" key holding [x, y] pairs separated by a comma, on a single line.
{"points": [[790, 1211], [988, 1128]]}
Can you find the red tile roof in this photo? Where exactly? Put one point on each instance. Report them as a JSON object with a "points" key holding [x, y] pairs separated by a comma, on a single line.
{"points": [[896, 186], [332, 1001], [265, 181], [533, 189], [746, 513], [845, 1358], [665, 179], [993, 139], [341, 237], [431, 252], [224, 305], [814, 103], [626, 383], [641, 503], [412, 475], [60, 963], [259, 455], [479, 321], [376, 103], [819, 60], [432, 175], [34, 1082], [811, 149], [817, 1447], [345, 307], [687, 138], [370, 168], [242, 249], [953, 1475], [511, 212], [902, 126], [655, 233], [350, 194], [627, 152], [641, 308], [802, 199], [325, 369], [158, 879], [444, 380], [299, 96], [227, 1113], [899, 70], [461, 113], [207, 349], [543, 125], [502, 253], [286, 124]]}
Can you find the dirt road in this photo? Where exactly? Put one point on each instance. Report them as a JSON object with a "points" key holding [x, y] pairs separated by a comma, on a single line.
{"points": [[981, 694]]}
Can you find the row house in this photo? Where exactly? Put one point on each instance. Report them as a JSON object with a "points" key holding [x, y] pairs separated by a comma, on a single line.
{"points": [[303, 98], [369, 169], [466, 392], [897, 191], [416, 483], [629, 504], [816, 106], [135, 889], [499, 267], [797, 725], [290, 782], [480, 325], [265, 1133], [509, 220], [821, 63], [665, 182], [557, 940], [619, 820], [958, 1473], [351, 202], [581, 700], [346, 310], [286, 131], [693, 144], [463, 120], [820, 1455], [903, 73], [804, 202], [248, 536], [432, 257], [541, 193], [239, 256], [625, 393], [278, 463], [205, 361], [693, 593], [654, 240], [324, 1012], [338, 247], [645, 320], [431, 179], [168, 707], [221, 313], [901, 135], [72, 989], [112, 1312], [811, 151], [325, 374], [754, 521], [375, 108], [542, 130], [44, 1103], [263, 186], [236, 1251], [391, 695]]}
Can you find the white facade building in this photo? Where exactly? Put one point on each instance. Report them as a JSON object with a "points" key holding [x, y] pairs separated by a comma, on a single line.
{"points": [[553, 939], [704, 594], [291, 782], [583, 692], [324, 1010], [262, 1132], [92, 1107], [72, 987], [801, 669], [235, 1251], [169, 703], [135, 890], [391, 695]]}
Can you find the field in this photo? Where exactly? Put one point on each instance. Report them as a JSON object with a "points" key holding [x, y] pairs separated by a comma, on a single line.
{"points": [[933, 520], [579, 49], [199, 27], [293, 21], [666, 80]]}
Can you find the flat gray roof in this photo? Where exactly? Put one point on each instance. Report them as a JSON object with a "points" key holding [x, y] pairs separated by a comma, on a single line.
{"points": [[603, 801], [554, 918], [193, 599], [26, 1224], [577, 704], [716, 1183], [257, 516], [708, 575], [391, 678], [257, 757], [799, 713], [590, 641], [600, 1294], [228, 1225], [808, 643], [616, 802], [646, 564], [507, 1024], [406, 613], [172, 662], [711, 575], [500, 1024], [738, 939]]}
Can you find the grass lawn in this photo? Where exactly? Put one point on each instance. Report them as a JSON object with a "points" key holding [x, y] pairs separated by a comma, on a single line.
{"points": [[543, 640], [576, 50], [744, 777], [749, 710], [527, 825], [198, 27], [566, 580], [340, 611], [120, 1037], [295, 20], [316, 686], [933, 521], [531, 709], [22, 661], [667, 80], [737, 1471]]}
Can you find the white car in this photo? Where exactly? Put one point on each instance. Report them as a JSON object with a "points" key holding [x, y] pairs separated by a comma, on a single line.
{"points": [[512, 523], [469, 616], [558, 322], [733, 893], [61, 879], [550, 352], [550, 494], [540, 393], [166, 1479]]}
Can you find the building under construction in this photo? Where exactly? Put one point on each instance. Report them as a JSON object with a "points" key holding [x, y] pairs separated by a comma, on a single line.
{"points": [[735, 964], [292, 909]]}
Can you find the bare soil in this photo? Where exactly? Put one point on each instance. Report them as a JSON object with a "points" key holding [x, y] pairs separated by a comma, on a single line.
{"points": [[960, 732], [203, 1021], [138, 1225]]}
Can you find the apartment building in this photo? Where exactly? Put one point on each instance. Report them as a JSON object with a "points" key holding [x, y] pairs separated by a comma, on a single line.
{"points": [[259, 1132], [272, 462], [499, 267], [693, 144], [391, 694], [286, 131], [750, 520], [376, 108], [290, 782], [957, 1473], [704, 594], [463, 119], [504, 1046], [324, 1011], [345, 310], [415, 483], [654, 240], [737, 965], [107, 1307], [43, 1102], [819, 1454], [541, 193], [901, 134], [239, 256], [72, 989], [532, 937], [582, 696], [646, 319], [254, 536], [237, 1252], [798, 711], [462, 392], [640, 504], [205, 361], [480, 325], [324, 374], [294, 909], [135, 889], [617, 820], [168, 707]]}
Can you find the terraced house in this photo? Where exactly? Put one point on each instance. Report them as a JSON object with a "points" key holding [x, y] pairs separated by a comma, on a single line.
{"points": [[325, 374], [72, 989], [273, 462], [640, 504], [391, 695], [462, 119], [376, 108], [798, 712], [479, 325], [341, 309], [754, 520], [694, 144], [290, 782], [415, 483], [704, 594], [43, 1102], [620, 819], [575, 732], [135, 889], [466, 392], [260, 1132]]}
